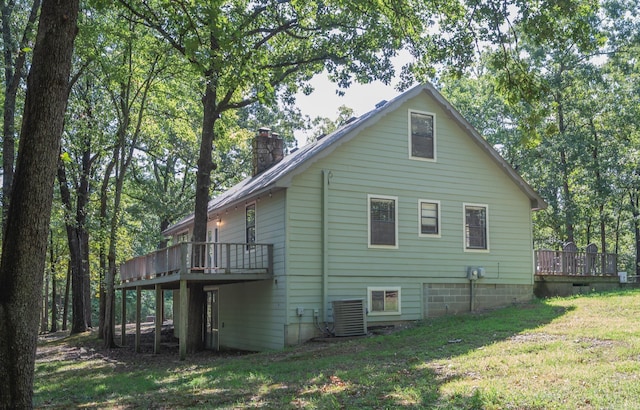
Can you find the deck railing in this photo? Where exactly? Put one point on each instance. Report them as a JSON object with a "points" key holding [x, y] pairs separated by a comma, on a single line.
{"points": [[549, 262], [204, 257]]}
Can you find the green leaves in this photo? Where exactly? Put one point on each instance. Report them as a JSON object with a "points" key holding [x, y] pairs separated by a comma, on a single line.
{"points": [[65, 157]]}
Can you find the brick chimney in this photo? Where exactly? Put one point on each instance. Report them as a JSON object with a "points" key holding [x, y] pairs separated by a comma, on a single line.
{"points": [[268, 149]]}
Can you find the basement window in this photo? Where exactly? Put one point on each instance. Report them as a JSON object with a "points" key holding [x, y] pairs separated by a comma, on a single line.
{"points": [[384, 300]]}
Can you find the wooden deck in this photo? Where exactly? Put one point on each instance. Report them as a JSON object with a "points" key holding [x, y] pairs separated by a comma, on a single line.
{"points": [[550, 262], [205, 261]]}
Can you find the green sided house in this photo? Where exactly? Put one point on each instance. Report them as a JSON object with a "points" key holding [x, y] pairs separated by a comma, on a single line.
{"points": [[402, 214]]}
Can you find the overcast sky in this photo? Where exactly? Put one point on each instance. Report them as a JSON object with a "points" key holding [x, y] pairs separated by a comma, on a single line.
{"points": [[324, 101]]}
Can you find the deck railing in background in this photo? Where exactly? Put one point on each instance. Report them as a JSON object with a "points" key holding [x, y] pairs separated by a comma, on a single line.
{"points": [[549, 262]]}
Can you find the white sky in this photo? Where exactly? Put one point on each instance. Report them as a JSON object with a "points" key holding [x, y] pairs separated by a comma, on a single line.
{"points": [[324, 101], [362, 98]]}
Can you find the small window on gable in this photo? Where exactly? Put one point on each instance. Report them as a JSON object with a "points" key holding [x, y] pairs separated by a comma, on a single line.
{"points": [[250, 226], [383, 216], [422, 139], [384, 300], [429, 218], [475, 227]]}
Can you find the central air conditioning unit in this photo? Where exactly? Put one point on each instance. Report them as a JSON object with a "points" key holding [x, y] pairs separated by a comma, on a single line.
{"points": [[349, 317]]}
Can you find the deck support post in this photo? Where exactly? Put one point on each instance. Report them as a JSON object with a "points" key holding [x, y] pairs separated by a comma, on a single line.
{"points": [[158, 320], [123, 318], [184, 318], [138, 314]]}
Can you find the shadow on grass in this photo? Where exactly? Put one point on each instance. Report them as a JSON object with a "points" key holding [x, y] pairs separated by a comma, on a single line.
{"points": [[402, 369]]}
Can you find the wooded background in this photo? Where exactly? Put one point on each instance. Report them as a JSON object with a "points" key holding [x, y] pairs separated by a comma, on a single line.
{"points": [[552, 85]]}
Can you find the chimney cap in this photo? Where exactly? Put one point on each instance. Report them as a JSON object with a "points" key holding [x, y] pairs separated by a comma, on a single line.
{"points": [[264, 131]]}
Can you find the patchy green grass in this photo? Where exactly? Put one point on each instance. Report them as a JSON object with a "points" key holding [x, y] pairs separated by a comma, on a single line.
{"points": [[570, 353]]}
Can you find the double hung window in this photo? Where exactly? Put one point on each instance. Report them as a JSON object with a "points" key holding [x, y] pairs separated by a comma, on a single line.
{"points": [[422, 139], [383, 216], [429, 214], [475, 227]]}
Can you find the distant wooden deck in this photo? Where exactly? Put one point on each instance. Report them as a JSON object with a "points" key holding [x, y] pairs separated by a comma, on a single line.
{"points": [[570, 263], [207, 261]]}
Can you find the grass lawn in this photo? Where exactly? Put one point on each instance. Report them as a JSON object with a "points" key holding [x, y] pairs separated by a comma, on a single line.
{"points": [[570, 353]]}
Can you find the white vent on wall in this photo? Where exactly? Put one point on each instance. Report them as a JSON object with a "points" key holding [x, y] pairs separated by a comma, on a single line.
{"points": [[349, 317]]}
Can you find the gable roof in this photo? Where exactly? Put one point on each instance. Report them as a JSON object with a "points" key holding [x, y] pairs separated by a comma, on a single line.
{"points": [[279, 176]]}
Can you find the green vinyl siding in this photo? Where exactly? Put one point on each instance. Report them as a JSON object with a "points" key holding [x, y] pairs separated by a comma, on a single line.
{"points": [[376, 162], [253, 313], [304, 244]]}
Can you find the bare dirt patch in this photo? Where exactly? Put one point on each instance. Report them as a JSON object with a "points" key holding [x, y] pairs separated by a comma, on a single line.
{"points": [[61, 346]]}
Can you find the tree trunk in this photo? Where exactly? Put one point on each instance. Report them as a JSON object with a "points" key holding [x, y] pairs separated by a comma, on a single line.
{"points": [[54, 303], [27, 225], [564, 168], [44, 321], [195, 322], [109, 311], [81, 225], [86, 280], [164, 224], [205, 165], [634, 198], [600, 195], [13, 73], [570, 237], [78, 319], [636, 230], [54, 306], [123, 154], [65, 309], [203, 184], [107, 328], [104, 196]]}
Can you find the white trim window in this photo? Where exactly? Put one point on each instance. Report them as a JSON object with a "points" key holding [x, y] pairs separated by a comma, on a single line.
{"points": [[422, 135], [476, 227], [382, 221], [182, 237], [384, 300], [428, 218], [250, 225]]}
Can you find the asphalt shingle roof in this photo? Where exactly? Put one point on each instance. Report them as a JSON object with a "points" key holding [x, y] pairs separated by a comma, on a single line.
{"points": [[278, 176]]}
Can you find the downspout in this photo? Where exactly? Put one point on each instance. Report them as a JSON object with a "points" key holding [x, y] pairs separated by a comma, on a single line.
{"points": [[326, 176]]}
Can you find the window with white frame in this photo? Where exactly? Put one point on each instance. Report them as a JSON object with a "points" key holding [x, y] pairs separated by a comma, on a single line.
{"points": [[250, 225], [429, 217], [475, 227], [383, 226], [384, 300], [182, 237], [422, 136]]}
